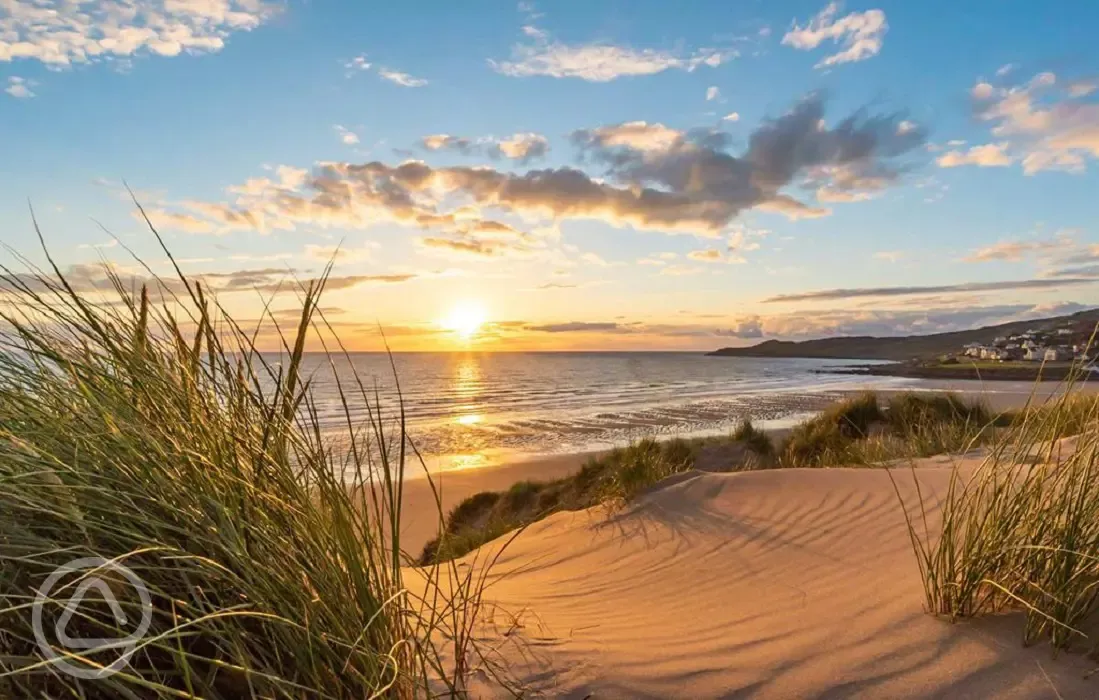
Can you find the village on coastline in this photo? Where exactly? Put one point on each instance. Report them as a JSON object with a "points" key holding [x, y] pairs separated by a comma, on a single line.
{"points": [[1058, 345]]}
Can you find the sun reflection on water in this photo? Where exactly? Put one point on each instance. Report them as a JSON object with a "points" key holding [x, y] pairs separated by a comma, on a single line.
{"points": [[466, 385]]}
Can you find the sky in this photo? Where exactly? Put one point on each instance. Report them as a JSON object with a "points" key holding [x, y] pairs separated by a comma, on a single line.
{"points": [[596, 175]]}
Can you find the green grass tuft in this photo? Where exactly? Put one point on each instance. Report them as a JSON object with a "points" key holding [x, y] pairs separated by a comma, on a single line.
{"points": [[756, 440]]}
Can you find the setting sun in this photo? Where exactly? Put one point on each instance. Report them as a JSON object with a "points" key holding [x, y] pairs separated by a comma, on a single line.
{"points": [[465, 319]]}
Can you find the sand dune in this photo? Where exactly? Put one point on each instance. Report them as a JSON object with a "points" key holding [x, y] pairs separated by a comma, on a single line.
{"points": [[773, 584]]}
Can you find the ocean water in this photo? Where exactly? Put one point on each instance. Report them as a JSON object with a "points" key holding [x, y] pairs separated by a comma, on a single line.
{"points": [[466, 410]]}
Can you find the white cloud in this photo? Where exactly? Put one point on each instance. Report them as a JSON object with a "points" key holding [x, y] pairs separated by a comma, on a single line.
{"points": [[713, 255], [60, 34], [1047, 126], [861, 34], [889, 255], [1082, 88], [712, 93], [523, 147], [346, 135], [1018, 250], [402, 79], [639, 135], [982, 91], [731, 117], [1004, 69], [357, 64], [990, 155], [19, 88], [597, 62]]}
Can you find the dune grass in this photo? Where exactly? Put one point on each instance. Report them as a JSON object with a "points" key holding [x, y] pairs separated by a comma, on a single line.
{"points": [[911, 425], [612, 479], [154, 435], [756, 440], [1021, 532], [861, 430]]}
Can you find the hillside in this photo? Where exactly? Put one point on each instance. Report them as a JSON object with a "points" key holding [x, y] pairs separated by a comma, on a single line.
{"points": [[902, 348]]}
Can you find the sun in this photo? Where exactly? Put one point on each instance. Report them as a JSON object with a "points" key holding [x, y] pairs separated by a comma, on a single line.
{"points": [[465, 319]]}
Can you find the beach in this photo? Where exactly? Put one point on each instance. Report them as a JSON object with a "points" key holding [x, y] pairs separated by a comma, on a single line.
{"points": [[772, 584], [452, 486], [787, 583]]}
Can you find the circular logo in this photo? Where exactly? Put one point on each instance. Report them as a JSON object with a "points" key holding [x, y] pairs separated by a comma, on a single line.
{"points": [[92, 582]]}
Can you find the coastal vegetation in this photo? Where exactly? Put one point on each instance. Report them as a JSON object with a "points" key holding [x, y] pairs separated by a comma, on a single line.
{"points": [[1022, 531], [154, 436], [859, 430]]}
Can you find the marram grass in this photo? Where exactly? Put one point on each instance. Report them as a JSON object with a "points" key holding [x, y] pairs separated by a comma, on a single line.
{"points": [[1021, 530], [155, 435]]}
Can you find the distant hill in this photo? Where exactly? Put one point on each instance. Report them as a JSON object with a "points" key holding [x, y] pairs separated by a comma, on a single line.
{"points": [[901, 348]]}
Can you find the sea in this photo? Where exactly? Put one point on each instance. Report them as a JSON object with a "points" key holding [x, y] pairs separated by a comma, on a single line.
{"points": [[469, 410]]}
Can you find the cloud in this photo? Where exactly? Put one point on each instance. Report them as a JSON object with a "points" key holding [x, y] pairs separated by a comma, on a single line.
{"points": [[652, 178], [346, 135], [636, 136], [572, 327], [1015, 251], [356, 65], [338, 254], [1048, 126], [1082, 88], [713, 255], [833, 294], [889, 255], [751, 327], [990, 155], [712, 93], [523, 147], [402, 79], [474, 247], [544, 56], [731, 117], [19, 88], [163, 219], [861, 34], [90, 32], [95, 279], [439, 142]]}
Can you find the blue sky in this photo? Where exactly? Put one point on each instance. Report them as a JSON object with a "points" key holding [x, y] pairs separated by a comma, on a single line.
{"points": [[576, 174]]}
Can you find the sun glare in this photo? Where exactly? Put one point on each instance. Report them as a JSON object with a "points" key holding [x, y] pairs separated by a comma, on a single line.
{"points": [[465, 319]]}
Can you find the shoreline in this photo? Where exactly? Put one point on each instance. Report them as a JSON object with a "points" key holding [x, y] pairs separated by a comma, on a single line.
{"points": [[965, 372], [420, 510]]}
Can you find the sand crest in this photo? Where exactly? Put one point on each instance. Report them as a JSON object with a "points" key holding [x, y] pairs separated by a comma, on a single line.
{"points": [[797, 583]]}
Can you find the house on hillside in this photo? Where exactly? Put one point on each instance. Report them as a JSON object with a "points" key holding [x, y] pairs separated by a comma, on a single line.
{"points": [[1035, 353], [1059, 353]]}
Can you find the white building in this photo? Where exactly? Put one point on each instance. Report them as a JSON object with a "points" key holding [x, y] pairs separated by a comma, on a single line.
{"points": [[1058, 354]]}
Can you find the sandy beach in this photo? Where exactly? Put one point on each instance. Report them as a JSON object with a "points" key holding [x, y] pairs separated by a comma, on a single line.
{"points": [[420, 511], [794, 583], [774, 584]]}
